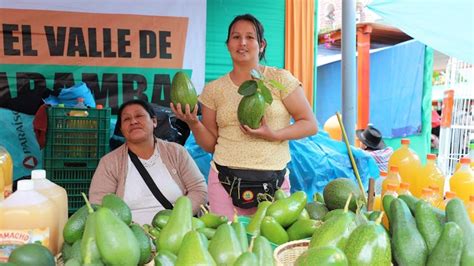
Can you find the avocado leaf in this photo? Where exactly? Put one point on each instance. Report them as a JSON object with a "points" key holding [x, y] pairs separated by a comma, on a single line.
{"points": [[266, 93], [248, 87]]}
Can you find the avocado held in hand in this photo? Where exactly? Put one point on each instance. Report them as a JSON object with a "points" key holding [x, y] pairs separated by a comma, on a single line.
{"points": [[183, 92]]}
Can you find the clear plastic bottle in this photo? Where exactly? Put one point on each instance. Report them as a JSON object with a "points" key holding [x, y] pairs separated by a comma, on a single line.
{"points": [[462, 181], [6, 166], [470, 208], [447, 197], [431, 175], [55, 193], [379, 181], [79, 105], [404, 189], [378, 191], [391, 190], [393, 177], [408, 164], [27, 217], [427, 195]]}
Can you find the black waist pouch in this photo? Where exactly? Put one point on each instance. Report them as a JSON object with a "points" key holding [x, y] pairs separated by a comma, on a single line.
{"points": [[245, 185]]}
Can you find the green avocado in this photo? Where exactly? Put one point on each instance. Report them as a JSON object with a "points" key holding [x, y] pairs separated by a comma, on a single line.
{"points": [[183, 92], [32, 255], [322, 256], [251, 110], [336, 192]]}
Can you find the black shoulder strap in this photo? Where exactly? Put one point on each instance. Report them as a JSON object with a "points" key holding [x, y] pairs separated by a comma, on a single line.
{"points": [[149, 181]]}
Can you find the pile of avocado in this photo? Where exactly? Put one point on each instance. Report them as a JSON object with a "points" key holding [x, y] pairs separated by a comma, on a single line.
{"points": [[105, 235], [424, 235], [211, 239], [418, 233], [339, 231]]}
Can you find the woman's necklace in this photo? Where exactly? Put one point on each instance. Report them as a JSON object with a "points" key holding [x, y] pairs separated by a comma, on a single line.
{"points": [[152, 160]]}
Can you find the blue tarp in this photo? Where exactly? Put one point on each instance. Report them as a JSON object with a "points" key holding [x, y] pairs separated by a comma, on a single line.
{"points": [[396, 89], [447, 26], [316, 160]]}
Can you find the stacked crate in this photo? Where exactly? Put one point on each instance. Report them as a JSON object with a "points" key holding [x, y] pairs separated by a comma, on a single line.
{"points": [[76, 140]]}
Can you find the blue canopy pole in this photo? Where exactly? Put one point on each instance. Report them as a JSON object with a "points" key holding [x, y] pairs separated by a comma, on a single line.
{"points": [[349, 74]]}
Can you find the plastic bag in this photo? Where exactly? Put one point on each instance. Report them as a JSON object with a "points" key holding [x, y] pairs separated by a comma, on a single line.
{"points": [[18, 137]]}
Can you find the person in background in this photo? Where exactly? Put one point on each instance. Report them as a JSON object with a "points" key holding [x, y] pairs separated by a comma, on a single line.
{"points": [[169, 164], [372, 142], [238, 149]]}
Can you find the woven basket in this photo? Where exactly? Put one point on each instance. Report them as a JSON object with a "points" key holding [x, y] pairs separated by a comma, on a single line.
{"points": [[286, 254]]}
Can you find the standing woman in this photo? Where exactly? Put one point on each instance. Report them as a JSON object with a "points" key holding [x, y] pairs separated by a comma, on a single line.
{"points": [[240, 151], [169, 165]]}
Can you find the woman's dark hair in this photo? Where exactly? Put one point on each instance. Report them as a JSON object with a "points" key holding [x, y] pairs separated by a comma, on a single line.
{"points": [[148, 108], [258, 29]]}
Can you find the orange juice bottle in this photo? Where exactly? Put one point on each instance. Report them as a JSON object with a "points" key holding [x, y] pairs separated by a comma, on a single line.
{"points": [[437, 198], [431, 175], [391, 190], [27, 217], [462, 181], [392, 178], [447, 197], [470, 208], [55, 193], [7, 165], [471, 155], [427, 195], [408, 164], [404, 189]]}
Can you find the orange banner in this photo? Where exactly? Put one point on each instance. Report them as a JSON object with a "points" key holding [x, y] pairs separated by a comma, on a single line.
{"points": [[74, 38]]}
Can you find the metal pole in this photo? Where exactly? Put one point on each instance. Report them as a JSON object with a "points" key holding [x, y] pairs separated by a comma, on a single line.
{"points": [[349, 71]]}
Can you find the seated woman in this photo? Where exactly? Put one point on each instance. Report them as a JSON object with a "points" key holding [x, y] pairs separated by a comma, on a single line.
{"points": [[169, 165]]}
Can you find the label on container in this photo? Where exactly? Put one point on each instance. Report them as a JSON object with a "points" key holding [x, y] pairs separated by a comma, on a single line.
{"points": [[11, 239]]}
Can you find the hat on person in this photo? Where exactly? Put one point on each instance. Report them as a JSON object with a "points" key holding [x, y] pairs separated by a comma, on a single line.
{"points": [[371, 137]]}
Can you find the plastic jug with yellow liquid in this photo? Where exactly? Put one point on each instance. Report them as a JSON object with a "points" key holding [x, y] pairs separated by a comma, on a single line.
{"points": [[408, 164], [393, 177], [27, 217], [462, 181], [6, 166], [430, 176], [55, 193]]}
